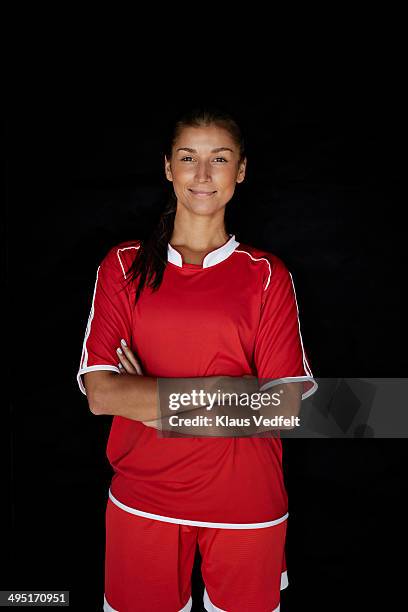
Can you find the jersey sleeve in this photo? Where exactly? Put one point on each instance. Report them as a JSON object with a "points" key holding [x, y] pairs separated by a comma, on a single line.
{"points": [[279, 354], [110, 318]]}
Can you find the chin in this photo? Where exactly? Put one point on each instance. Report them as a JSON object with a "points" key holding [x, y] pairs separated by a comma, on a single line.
{"points": [[204, 210], [201, 206]]}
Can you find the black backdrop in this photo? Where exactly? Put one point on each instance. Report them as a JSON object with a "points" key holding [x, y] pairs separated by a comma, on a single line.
{"points": [[322, 193]]}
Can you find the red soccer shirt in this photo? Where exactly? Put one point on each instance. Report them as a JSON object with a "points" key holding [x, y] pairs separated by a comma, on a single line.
{"points": [[236, 314]]}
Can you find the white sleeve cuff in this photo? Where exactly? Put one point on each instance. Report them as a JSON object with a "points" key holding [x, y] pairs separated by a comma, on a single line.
{"points": [[305, 394], [93, 369]]}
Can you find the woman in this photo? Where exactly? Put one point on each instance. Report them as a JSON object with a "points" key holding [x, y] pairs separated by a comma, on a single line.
{"points": [[192, 302]]}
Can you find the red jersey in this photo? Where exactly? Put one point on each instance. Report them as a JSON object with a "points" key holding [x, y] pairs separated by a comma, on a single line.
{"points": [[233, 315]]}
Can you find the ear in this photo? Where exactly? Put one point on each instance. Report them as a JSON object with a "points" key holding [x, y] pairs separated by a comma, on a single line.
{"points": [[241, 171], [167, 169]]}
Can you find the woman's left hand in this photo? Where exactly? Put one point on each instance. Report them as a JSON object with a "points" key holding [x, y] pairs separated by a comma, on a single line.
{"points": [[128, 364]]}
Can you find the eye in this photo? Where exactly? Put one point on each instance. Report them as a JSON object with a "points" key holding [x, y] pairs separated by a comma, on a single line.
{"points": [[189, 157]]}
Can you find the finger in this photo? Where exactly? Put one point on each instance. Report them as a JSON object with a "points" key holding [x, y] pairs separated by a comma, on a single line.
{"points": [[121, 368], [138, 368], [125, 362], [129, 368], [130, 356]]}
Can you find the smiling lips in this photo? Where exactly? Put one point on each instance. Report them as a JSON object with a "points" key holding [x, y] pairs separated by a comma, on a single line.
{"points": [[202, 193]]}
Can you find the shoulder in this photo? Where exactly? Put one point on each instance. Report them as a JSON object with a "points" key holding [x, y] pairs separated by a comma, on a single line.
{"points": [[267, 264], [121, 256]]}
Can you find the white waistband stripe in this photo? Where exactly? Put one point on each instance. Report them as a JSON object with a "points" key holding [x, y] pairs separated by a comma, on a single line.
{"points": [[169, 519]]}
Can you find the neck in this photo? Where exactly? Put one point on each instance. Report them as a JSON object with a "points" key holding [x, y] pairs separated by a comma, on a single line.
{"points": [[199, 233]]}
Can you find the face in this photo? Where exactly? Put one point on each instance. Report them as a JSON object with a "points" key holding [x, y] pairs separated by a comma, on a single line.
{"points": [[204, 168]]}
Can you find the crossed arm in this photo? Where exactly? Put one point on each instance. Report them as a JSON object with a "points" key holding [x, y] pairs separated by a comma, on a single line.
{"points": [[135, 396]]}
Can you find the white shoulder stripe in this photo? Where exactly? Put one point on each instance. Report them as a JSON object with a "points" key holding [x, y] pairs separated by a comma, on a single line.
{"points": [[84, 356], [258, 259], [120, 261], [305, 363], [83, 365]]}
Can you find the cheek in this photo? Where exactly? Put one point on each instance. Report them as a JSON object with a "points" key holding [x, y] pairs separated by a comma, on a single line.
{"points": [[183, 176], [227, 178]]}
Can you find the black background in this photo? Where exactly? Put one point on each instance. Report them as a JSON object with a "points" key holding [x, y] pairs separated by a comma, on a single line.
{"points": [[323, 192]]}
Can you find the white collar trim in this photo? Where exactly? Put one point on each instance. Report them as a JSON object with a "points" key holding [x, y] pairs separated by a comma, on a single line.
{"points": [[211, 259]]}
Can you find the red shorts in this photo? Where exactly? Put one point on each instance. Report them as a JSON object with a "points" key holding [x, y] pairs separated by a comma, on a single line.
{"points": [[148, 565]]}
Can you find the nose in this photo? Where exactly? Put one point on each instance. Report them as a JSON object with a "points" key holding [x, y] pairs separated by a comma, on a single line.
{"points": [[203, 172]]}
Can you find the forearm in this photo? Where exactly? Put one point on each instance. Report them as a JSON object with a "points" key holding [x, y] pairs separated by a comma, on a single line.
{"points": [[145, 398], [276, 411], [133, 397]]}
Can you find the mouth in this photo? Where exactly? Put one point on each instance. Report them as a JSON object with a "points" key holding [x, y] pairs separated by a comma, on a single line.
{"points": [[202, 194]]}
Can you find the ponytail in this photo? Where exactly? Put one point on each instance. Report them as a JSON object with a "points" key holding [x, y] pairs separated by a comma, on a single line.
{"points": [[151, 258]]}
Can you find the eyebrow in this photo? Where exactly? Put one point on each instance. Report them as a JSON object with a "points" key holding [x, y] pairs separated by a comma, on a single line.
{"points": [[217, 150]]}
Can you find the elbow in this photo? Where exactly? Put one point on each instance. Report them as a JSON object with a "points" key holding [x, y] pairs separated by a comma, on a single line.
{"points": [[94, 399], [95, 402], [293, 417], [87, 387], [98, 392], [295, 409], [94, 394], [94, 408]]}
